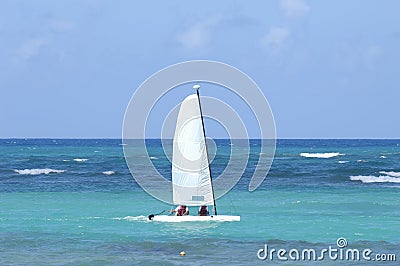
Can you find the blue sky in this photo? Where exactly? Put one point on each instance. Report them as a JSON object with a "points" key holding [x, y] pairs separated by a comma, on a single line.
{"points": [[329, 69]]}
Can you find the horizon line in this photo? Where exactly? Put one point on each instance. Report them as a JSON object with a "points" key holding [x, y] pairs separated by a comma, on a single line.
{"points": [[299, 138]]}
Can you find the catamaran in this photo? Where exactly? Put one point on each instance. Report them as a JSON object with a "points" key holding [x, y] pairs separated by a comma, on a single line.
{"points": [[191, 174]]}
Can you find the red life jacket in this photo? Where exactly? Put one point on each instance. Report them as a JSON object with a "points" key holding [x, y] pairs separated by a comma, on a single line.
{"points": [[181, 210]]}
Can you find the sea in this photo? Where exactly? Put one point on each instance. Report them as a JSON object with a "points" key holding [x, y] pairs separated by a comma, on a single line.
{"points": [[323, 202]]}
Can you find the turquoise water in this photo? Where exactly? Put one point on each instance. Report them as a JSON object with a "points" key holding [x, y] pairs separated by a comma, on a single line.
{"points": [[88, 210]]}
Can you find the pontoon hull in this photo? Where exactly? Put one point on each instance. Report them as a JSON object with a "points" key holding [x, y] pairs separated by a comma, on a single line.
{"points": [[188, 218]]}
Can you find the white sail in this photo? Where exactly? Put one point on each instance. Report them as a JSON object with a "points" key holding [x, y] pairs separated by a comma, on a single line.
{"points": [[191, 179]]}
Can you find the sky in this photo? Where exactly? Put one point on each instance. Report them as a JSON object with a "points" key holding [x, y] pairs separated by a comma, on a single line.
{"points": [[329, 69]]}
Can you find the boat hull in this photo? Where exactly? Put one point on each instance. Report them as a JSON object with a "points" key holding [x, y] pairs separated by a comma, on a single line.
{"points": [[188, 218]]}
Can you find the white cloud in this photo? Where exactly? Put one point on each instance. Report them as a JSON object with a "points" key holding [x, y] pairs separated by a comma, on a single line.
{"points": [[351, 57], [275, 39], [34, 46], [294, 8], [30, 48], [198, 35], [371, 55]]}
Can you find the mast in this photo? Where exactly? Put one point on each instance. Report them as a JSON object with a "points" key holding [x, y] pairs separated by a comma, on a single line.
{"points": [[197, 87]]}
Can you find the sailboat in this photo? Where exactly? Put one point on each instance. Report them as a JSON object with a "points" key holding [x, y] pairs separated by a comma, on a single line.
{"points": [[191, 174]]}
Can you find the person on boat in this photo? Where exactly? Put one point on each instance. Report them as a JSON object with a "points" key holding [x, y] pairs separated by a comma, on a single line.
{"points": [[203, 211], [181, 210]]}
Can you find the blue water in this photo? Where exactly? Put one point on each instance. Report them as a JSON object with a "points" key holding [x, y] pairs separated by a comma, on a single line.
{"points": [[74, 202]]}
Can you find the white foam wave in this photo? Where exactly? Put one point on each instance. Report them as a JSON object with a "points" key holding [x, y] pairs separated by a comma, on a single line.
{"points": [[108, 172], [320, 155], [132, 218], [66, 160], [375, 179], [391, 173], [45, 171], [80, 159], [153, 158], [93, 217], [343, 161], [383, 157]]}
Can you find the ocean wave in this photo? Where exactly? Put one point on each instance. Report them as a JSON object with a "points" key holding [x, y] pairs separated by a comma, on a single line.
{"points": [[153, 158], [108, 172], [80, 159], [320, 155], [132, 218], [391, 173], [375, 179], [383, 157], [45, 171], [343, 161]]}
